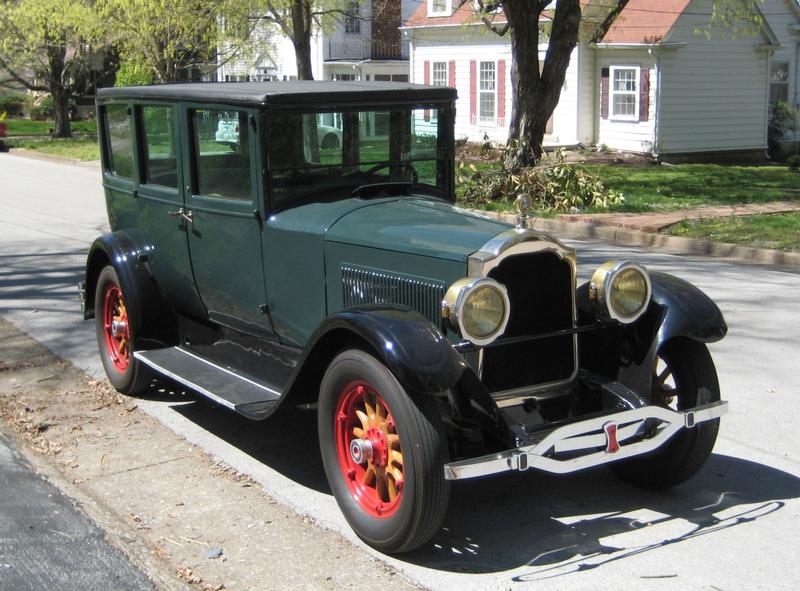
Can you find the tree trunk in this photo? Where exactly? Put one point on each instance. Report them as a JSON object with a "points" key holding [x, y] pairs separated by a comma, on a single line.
{"points": [[301, 38], [59, 86], [537, 89]]}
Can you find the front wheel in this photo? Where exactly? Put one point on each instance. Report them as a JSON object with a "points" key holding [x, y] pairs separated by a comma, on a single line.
{"points": [[383, 454], [683, 377], [115, 327]]}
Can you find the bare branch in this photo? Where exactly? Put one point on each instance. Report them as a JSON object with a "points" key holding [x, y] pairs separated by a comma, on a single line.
{"points": [[603, 27]]}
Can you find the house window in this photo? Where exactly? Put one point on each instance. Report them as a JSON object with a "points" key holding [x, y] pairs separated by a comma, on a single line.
{"points": [[487, 92], [625, 93], [779, 82], [439, 74], [352, 22], [439, 7], [343, 77]]}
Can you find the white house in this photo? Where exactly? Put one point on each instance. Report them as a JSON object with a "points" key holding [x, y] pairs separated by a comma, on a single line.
{"points": [[652, 84], [365, 43]]}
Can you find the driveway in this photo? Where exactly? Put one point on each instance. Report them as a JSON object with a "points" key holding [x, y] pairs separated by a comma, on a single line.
{"points": [[734, 526]]}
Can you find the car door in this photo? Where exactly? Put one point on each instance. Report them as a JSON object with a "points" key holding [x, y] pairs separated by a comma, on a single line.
{"points": [[160, 203], [223, 212]]}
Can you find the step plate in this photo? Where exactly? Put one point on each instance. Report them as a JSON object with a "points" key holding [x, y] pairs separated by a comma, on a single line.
{"points": [[213, 381]]}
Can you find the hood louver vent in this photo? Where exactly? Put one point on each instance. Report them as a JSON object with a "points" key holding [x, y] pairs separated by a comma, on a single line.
{"points": [[368, 286]]}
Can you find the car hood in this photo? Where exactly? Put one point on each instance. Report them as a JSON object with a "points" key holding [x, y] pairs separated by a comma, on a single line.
{"points": [[415, 226]]}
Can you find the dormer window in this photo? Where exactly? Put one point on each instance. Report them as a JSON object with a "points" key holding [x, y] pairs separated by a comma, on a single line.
{"points": [[440, 7]]}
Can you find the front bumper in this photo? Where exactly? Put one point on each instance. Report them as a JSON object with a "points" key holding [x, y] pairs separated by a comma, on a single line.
{"points": [[591, 442]]}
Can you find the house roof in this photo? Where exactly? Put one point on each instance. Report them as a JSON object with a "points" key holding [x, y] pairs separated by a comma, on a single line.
{"points": [[641, 21], [645, 21], [284, 94]]}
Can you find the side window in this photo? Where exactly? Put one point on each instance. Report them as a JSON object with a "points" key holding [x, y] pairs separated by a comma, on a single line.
{"points": [[221, 140], [120, 140], [158, 139]]}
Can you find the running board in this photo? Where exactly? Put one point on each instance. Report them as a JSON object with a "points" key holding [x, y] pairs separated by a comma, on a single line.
{"points": [[253, 399]]}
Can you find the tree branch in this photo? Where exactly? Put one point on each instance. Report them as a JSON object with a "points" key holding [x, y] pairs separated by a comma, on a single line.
{"points": [[18, 78], [603, 28]]}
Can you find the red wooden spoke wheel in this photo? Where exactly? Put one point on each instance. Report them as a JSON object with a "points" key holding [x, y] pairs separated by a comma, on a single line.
{"points": [[368, 449], [116, 329]]}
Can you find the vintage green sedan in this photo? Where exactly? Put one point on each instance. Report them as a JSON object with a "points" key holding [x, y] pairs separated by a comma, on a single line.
{"points": [[280, 267]]}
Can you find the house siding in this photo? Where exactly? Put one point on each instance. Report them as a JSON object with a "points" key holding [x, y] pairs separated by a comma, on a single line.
{"points": [[462, 45], [621, 134], [714, 95]]}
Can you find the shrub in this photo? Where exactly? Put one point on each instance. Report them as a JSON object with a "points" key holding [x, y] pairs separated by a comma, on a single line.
{"points": [[43, 109], [794, 163], [782, 120], [12, 104], [132, 73], [556, 185]]}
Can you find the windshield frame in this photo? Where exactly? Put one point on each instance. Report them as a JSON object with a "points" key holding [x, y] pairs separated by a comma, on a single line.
{"points": [[446, 145]]}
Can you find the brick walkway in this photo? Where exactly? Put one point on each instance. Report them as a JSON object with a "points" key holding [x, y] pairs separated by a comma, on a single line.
{"points": [[655, 222]]}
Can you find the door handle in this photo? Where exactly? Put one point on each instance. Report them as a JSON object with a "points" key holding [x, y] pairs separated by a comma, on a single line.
{"points": [[185, 214]]}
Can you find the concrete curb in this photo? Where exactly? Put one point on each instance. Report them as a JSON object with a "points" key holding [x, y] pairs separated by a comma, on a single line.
{"points": [[662, 242]]}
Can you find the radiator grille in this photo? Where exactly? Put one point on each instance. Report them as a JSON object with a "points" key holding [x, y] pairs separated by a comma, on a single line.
{"points": [[369, 286], [541, 289]]}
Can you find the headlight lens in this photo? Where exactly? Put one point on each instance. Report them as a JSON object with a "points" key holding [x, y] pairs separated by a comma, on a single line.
{"points": [[477, 308], [620, 290]]}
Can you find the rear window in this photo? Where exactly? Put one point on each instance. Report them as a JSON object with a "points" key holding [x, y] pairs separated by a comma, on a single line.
{"points": [[120, 140]]}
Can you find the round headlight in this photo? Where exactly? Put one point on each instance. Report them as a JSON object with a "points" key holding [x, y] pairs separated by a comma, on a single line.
{"points": [[620, 290], [477, 308]]}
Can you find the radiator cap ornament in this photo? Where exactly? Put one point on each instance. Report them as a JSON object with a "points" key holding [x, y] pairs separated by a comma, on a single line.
{"points": [[523, 205]]}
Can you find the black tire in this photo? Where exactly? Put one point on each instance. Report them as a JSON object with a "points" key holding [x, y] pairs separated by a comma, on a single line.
{"points": [[695, 382], [330, 141], [126, 373], [420, 503]]}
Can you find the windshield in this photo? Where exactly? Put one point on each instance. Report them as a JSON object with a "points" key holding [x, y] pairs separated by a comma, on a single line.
{"points": [[314, 154]]}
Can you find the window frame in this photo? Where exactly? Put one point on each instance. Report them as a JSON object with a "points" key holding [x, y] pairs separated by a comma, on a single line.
{"points": [[352, 18], [481, 118], [445, 10], [445, 68], [772, 83], [637, 81]]}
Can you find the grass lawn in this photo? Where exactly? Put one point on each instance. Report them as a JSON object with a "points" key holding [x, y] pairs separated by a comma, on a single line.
{"points": [[28, 127], [685, 186], [660, 188], [77, 148], [778, 231]]}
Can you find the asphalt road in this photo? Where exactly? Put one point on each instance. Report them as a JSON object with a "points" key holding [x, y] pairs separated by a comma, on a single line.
{"points": [[46, 542], [734, 526]]}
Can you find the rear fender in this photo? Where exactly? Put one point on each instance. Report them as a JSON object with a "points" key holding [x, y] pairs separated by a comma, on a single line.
{"points": [[155, 319]]}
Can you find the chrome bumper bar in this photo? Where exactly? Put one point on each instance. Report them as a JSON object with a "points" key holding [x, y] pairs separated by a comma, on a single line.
{"points": [[591, 442]]}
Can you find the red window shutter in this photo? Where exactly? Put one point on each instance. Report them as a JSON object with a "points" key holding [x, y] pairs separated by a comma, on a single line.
{"points": [[604, 73], [644, 93], [451, 75], [501, 90], [427, 67], [473, 91]]}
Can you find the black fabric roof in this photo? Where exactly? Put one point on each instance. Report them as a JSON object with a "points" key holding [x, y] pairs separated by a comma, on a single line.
{"points": [[300, 92]]}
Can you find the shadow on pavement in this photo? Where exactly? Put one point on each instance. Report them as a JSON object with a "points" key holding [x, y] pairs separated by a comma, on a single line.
{"points": [[554, 525]]}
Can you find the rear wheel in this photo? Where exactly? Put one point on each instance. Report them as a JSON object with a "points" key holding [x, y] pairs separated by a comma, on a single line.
{"points": [[683, 377], [383, 454], [115, 322]]}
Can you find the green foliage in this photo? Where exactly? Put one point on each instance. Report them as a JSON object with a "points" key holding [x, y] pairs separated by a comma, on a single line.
{"points": [[556, 186], [777, 231], [12, 104], [133, 73], [169, 38], [794, 163], [43, 109], [782, 120]]}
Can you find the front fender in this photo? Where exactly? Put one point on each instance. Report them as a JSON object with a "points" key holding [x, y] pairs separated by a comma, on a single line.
{"points": [[418, 355], [677, 309]]}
